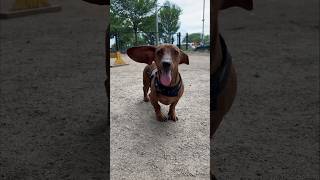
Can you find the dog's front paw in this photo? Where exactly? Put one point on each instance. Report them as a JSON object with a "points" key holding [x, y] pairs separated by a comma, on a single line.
{"points": [[172, 116], [161, 117], [146, 99]]}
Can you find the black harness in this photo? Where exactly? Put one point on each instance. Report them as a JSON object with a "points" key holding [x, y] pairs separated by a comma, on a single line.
{"points": [[220, 77], [170, 91]]}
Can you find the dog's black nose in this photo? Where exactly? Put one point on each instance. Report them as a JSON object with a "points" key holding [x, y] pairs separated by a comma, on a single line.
{"points": [[166, 65]]}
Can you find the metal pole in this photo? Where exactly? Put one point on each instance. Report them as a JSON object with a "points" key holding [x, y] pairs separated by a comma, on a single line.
{"points": [[203, 23], [187, 41], [157, 28], [179, 40], [117, 41]]}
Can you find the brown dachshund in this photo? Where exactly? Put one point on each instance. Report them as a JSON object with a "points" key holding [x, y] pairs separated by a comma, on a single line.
{"points": [[161, 75], [223, 75]]}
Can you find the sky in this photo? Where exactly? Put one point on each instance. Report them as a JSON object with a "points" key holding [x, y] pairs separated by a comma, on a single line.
{"points": [[191, 17]]}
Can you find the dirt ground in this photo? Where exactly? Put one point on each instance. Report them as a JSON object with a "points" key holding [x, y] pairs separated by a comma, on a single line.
{"points": [[144, 148], [53, 101], [272, 130]]}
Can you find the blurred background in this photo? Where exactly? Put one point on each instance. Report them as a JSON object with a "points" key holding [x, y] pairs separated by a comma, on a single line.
{"points": [[183, 23], [53, 101], [272, 130]]}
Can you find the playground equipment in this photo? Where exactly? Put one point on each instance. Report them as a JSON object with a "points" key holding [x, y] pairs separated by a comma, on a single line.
{"points": [[118, 61], [16, 8], [115, 55]]}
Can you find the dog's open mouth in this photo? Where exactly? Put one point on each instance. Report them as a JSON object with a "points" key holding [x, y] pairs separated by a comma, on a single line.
{"points": [[165, 77]]}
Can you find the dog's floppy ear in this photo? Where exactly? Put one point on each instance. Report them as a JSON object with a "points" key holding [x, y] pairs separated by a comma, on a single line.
{"points": [[184, 58], [142, 54], [245, 4]]}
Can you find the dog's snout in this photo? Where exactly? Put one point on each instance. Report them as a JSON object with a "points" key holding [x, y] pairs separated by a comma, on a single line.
{"points": [[166, 64]]}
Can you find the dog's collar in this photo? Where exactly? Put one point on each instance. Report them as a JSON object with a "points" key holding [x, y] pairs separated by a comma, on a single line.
{"points": [[170, 91], [220, 77]]}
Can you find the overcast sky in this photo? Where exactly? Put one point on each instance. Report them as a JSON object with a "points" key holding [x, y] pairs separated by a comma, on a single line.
{"points": [[191, 17]]}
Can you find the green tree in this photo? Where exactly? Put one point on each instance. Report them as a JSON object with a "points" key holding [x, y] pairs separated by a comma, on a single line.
{"points": [[207, 39], [148, 28], [196, 38], [169, 20], [119, 24], [134, 12]]}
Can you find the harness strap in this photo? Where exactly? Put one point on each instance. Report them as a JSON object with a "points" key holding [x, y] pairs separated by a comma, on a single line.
{"points": [[170, 91], [220, 77]]}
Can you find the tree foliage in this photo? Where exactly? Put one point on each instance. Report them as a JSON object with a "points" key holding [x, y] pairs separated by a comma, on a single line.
{"points": [[196, 38], [169, 20], [135, 21], [132, 12], [148, 27]]}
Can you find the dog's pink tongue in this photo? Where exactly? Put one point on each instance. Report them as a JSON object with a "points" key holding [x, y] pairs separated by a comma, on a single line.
{"points": [[165, 78]]}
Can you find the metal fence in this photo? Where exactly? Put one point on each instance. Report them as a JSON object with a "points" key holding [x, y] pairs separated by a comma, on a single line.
{"points": [[121, 41]]}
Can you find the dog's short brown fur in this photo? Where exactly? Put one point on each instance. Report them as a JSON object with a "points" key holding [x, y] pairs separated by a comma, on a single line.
{"points": [[165, 60]]}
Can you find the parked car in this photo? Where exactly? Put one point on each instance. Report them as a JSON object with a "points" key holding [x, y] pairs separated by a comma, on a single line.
{"points": [[202, 48]]}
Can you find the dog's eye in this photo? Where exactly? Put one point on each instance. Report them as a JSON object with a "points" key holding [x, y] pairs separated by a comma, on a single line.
{"points": [[175, 52], [159, 53]]}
